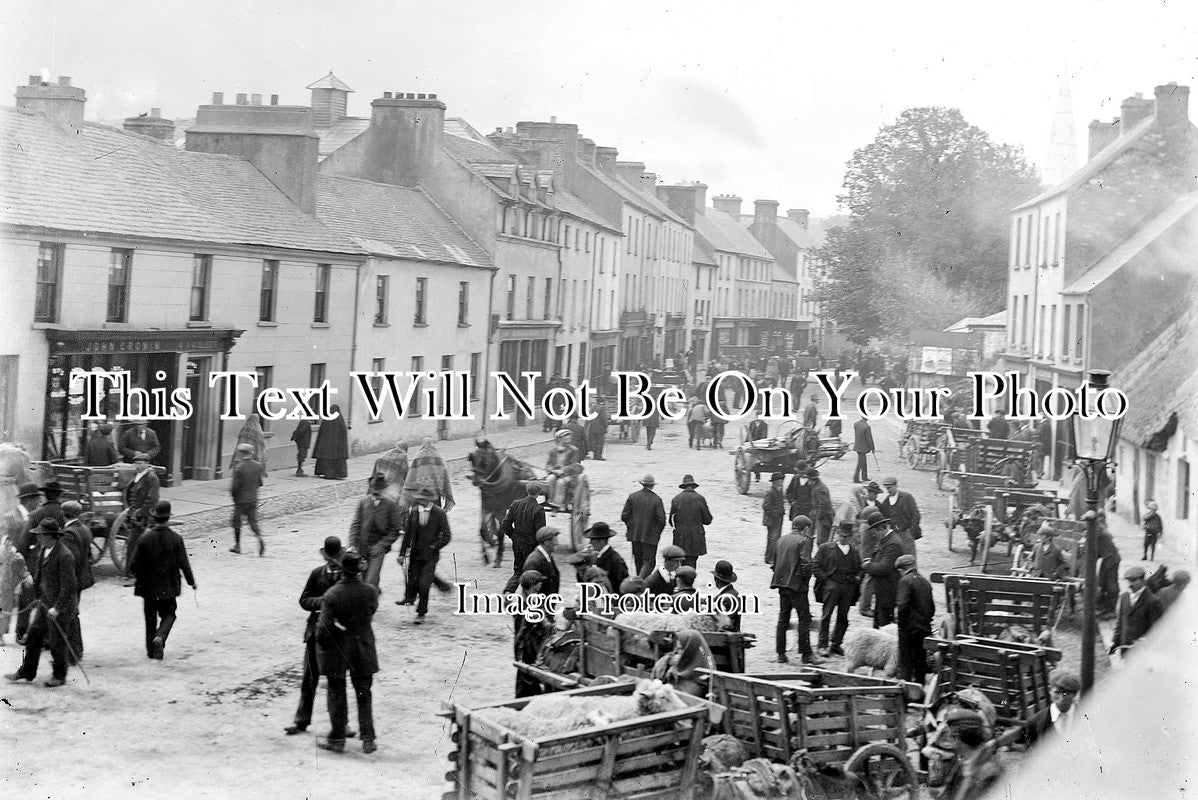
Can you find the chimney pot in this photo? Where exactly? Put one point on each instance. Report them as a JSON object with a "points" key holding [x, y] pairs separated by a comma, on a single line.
{"points": [[509, 130], [241, 100], [274, 99], [432, 97], [420, 97], [1101, 135], [799, 215], [218, 98], [64, 80], [155, 112], [410, 96], [552, 120], [386, 95], [35, 80], [255, 99]]}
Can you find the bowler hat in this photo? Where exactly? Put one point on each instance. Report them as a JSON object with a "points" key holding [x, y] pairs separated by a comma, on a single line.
{"points": [[1135, 572], [332, 548], [778, 476], [546, 533], [874, 519], [28, 490], [812, 472], [847, 527], [52, 489], [648, 480], [161, 510], [49, 527], [723, 572], [351, 564], [673, 553], [873, 486], [378, 483], [688, 482], [600, 530]]}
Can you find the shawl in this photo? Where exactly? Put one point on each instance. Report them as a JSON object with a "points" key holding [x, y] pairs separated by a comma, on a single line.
{"points": [[332, 439], [428, 468], [251, 433], [393, 465], [681, 666]]}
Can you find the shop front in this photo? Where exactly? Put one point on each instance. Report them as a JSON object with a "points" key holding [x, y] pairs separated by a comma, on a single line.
{"points": [[636, 349], [157, 361]]}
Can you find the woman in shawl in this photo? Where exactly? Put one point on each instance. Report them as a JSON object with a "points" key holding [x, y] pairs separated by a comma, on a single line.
{"points": [[251, 434], [332, 447], [392, 466], [427, 468], [681, 667]]}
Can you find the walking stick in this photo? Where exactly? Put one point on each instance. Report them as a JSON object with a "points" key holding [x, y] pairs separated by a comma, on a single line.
{"points": [[66, 640]]}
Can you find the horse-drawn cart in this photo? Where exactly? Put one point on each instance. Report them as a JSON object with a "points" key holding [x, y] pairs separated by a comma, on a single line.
{"points": [[823, 720], [506, 484], [781, 452], [922, 445], [994, 606], [101, 493]]}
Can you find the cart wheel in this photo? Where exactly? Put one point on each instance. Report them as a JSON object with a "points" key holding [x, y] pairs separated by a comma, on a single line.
{"points": [[99, 546], [741, 474], [580, 514], [118, 542], [882, 771]]}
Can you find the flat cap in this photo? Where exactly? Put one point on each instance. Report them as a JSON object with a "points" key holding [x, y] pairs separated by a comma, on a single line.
{"points": [[904, 561], [1065, 679], [1135, 572], [546, 533], [673, 553]]}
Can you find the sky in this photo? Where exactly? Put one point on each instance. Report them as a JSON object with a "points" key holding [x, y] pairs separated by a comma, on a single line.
{"points": [[764, 100]]}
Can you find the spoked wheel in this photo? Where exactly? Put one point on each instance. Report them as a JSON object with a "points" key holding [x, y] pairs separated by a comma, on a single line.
{"points": [[882, 772], [580, 514], [99, 544], [118, 542], [741, 473]]}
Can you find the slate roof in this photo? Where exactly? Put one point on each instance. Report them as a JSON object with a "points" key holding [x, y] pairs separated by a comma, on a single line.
{"points": [[724, 233], [1126, 250], [965, 325], [464, 142], [1162, 381], [340, 134], [804, 238], [330, 81], [394, 221], [656, 205], [108, 181]]}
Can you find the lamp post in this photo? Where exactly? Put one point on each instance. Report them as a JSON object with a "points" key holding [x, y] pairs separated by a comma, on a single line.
{"points": [[1095, 437]]}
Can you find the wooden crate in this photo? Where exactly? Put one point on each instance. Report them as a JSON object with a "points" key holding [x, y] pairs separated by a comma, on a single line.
{"points": [[1009, 503], [986, 454], [647, 758], [608, 647], [984, 605], [827, 714], [1014, 677]]}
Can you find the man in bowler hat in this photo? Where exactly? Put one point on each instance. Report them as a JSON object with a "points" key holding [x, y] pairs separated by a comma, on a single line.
{"points": [[54, 589], [606, 557], [345, 643], [644, 517], [156, 564], [689, 514], [320, 581], [426, 533]]}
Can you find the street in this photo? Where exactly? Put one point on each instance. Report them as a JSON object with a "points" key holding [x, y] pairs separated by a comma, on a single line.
{"points": [[208, 720]]}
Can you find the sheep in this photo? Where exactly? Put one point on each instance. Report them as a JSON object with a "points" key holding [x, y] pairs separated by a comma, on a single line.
{"points": [[873, 648]]}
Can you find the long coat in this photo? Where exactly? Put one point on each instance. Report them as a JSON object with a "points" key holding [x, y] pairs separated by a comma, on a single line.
{"points": [[902, 512], [885, 574], [79, 538], [1133, 621], [863, 437], [344, 636], [132, 443], [142, 495], [425, 541], [375, 527], [320, 580], [644, 516], [614, 565], [54, 580], [688, 514], [247, 478], [157, 560], [547, 567]]}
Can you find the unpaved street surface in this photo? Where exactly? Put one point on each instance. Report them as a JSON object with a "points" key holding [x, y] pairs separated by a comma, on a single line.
{"points": [[207, 721]]}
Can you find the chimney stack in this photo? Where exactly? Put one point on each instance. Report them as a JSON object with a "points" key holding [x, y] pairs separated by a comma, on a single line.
{"points": [[729, 204], [404, 135], [547, 145], [153, 125], [799, 215], [586, 151], [631, 171], [62, 103], [1101, 135], [279, 140], [765, 212], [685, 199], [1133, 111], [1173, 116], [605, 159]]}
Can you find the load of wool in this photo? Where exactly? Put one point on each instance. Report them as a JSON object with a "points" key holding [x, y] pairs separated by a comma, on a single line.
{"points": [[670, 622]]}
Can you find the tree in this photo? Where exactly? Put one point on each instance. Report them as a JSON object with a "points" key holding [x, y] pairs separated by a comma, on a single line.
{"points": [[926, 241]]}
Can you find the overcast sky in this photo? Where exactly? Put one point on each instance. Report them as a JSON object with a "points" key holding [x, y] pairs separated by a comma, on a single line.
{"points": [[762, 100]]}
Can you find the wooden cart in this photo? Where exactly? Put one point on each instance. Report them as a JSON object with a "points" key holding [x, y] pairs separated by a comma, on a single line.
{"points": [[101, 493], [1013, 459], [607, 648], [974, 493], [831, 720], [988, 605], [954, 452], [647, 758], [1014, 677], [922, 445], [781, 452]]}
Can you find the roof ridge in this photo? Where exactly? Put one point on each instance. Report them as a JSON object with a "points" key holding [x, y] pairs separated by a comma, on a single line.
{"points": [[455, 224]]}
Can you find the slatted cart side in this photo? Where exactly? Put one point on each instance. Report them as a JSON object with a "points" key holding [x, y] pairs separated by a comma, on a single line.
{"points": [[845, 713], [756, 713]]}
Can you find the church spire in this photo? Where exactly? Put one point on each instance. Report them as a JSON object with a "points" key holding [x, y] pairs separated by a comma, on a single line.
{"points": [[1061, 160]]}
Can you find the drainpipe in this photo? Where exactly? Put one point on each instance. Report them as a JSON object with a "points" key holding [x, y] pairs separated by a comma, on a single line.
{"points": [[487, 350], [353, 347]]}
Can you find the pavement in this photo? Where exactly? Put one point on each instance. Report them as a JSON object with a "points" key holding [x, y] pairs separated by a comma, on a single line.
{"points": [[200, 506]]}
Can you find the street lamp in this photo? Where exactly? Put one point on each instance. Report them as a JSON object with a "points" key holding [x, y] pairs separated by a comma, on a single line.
{"points": [[1095, 438]]}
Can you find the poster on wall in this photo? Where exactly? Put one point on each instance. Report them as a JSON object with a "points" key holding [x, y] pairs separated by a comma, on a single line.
{"points": [[936, 360]]}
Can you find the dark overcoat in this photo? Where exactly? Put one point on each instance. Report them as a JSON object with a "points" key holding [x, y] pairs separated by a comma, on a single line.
{"points": [[344, 636], [425, 541], [54, 580], [157, 560], [688, 514], [547, 567], [375, 527], [644, 516], [142, 495], [320, 580]]}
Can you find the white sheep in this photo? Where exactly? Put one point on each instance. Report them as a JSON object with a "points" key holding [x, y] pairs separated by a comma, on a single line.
{"points": [[873, 648]]}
